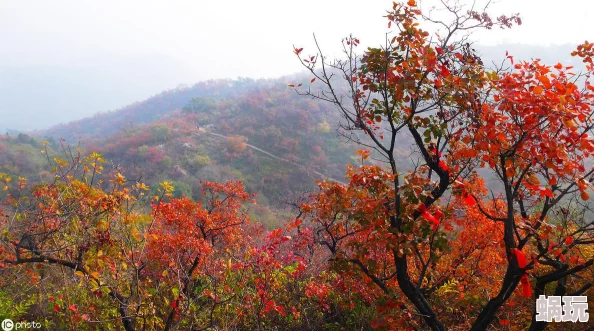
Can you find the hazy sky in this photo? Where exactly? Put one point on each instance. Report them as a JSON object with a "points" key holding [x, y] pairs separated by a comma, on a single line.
{"points": [[179, 41]]}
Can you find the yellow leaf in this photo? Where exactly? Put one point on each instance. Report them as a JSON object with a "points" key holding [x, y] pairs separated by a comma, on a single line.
{"points": [[120, 179], [79, 273], [102, 225]]}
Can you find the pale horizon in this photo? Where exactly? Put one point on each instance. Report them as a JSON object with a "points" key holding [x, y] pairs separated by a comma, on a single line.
{"points": [[100, 56]]}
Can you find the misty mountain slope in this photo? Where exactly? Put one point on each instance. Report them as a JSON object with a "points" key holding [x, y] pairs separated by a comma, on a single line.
{"points": [[270, 117], [259, 132], [146, 111]]}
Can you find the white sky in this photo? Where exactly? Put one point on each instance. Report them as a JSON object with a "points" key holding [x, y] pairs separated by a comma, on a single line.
{"points": [[220, 39], [67, 59]]}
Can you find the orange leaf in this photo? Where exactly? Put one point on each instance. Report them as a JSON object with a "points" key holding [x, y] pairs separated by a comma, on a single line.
{"points": [[364, 153], [411, 3], [545, 81], [538, 89]]}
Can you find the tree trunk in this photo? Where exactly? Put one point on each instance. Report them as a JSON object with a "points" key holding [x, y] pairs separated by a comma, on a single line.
{"points": [[487, 315], [415, 295]]}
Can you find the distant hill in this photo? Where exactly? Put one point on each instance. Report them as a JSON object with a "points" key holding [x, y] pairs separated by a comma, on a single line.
{"points": [[106, 123], [260, 132], [549, 55]]}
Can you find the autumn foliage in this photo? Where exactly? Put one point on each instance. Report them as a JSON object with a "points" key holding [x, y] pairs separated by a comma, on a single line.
{"points": [[491, 211]]}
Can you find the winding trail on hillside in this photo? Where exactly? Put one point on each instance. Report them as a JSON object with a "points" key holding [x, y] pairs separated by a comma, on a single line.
{"points": [[282, 159]]}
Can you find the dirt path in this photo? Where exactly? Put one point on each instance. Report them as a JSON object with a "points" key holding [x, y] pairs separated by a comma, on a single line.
{"points": [[308, 171]]}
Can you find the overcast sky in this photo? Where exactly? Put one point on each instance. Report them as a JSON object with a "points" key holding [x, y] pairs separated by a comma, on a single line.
{"points": [[185, 41]]}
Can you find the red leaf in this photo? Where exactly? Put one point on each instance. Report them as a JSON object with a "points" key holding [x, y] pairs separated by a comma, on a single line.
{"points": [[375, 324], [468, 199], [72, 307], [56, 307], [520, 257], [503, 322], [546, 192], [422, 208], [526, 289], [438, 214], [312, 80], [568, 240], [431, 218]]}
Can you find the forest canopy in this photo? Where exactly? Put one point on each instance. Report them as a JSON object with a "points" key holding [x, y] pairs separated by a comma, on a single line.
{"points": [[468, 197]]}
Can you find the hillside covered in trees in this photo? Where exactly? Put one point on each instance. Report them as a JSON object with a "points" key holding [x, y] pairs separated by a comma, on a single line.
{"points": [[259, 132]]}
